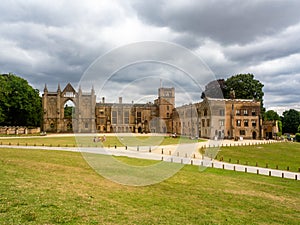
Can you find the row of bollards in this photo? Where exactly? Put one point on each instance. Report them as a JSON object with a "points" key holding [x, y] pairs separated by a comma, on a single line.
{"points": [[234, 168], [256, 164], [237, 144], [194, 156]]}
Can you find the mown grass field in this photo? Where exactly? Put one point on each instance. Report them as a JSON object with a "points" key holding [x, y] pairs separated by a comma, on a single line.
{"points": [[119, 141], [276, 155], [53, 187]]}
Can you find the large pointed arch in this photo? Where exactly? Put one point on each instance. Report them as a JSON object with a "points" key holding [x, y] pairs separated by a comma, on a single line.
{"points": [[68, 110]]}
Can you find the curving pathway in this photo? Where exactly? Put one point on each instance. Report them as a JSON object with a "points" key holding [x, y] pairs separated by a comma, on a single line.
{"points": [[184, 153]]}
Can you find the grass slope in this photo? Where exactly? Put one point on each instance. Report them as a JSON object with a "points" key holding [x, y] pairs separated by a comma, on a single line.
{"points": [[50, 187], [283, 155]]}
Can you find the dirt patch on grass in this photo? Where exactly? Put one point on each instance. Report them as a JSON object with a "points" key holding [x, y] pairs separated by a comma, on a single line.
{"points": [[265, 195]]}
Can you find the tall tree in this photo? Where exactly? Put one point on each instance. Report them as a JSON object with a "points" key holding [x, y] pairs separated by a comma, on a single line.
{"points": [[245, 87], [20, 104], [291, 121]]}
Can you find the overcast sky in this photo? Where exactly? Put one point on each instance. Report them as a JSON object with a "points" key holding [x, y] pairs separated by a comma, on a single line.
{"points": [[57, 42]]}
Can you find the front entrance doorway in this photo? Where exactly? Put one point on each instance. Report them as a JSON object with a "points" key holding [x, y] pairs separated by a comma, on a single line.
{"points": [[254, 135]]}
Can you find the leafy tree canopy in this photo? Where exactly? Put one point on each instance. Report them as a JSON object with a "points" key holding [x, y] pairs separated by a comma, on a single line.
{"points": [[244, 86], [271, 115], [291, 121], [280, 126], [20, 104]]}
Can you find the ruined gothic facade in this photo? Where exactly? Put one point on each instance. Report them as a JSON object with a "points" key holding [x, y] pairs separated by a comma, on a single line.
{"points": [[55, 118], [211, 118]]}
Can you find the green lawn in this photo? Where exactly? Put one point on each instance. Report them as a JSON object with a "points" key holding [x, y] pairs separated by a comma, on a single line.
{"points": [[51, 187], [111, 141], [276, 155]]}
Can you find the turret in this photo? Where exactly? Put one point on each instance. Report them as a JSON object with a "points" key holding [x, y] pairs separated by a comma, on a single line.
{"points": [[79, 90], [58, 89], [45, 89], [93, 91]]}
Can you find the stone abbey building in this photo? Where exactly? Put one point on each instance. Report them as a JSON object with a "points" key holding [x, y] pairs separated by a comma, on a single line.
{"points": [[90, 116], [211, 118]]}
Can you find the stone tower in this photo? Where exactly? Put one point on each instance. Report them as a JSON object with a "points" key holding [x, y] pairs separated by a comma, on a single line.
{"points": [[166, 104]]}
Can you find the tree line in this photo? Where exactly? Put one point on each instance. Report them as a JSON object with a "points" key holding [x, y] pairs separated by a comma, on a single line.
{"points": [[289, 122]]}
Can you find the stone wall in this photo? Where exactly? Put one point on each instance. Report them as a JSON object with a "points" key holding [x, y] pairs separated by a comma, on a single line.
{"points": [[19, 130]]}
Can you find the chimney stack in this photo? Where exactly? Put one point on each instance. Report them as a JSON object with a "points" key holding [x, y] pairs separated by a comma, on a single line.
{"points": [[120, 100], [103, 100]]}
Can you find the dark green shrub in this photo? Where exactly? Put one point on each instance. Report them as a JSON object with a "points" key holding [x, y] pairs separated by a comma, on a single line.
{"points": [[297, 137]]}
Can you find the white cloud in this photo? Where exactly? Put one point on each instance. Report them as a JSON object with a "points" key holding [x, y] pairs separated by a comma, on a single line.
{"points": [[279, 66], [132, 30]]}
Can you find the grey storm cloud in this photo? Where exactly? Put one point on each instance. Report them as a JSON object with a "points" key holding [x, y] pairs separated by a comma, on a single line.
{"points": [[286, 43], [53, 41], [227, 22], [60, 41]]}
